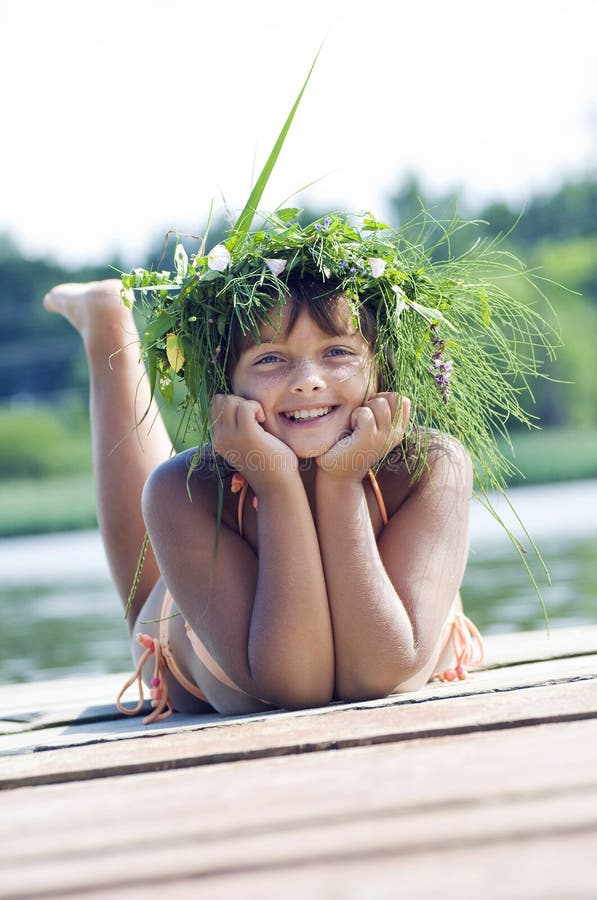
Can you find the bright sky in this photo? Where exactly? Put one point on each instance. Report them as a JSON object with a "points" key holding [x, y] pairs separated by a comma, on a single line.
{"points": [[125, 117]]}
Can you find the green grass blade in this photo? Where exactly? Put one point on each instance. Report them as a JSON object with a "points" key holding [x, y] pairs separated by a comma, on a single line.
{"points": [[243, 223]]}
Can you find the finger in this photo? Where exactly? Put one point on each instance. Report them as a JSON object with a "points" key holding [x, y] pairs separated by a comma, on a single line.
{"points": [[249, 412], [391, 398], [406, 406], [362, 419], [382, 411], [400, 424]]}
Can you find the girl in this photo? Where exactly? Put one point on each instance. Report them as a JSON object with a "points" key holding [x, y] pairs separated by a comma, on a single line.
{"points": [[335, 582], [340, 379], [336, 376]]}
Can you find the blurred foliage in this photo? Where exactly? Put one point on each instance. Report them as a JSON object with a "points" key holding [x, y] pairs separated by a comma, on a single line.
{"points": [[552, 455], [41, 442], [40, 355], [43, 374], [56, 503], [556, 237]]}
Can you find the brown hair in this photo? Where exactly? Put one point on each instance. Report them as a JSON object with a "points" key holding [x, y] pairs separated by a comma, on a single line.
{"points": [[323, 301]]}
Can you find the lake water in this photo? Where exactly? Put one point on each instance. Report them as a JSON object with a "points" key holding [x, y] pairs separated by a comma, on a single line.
{"points": [[60, 614]]}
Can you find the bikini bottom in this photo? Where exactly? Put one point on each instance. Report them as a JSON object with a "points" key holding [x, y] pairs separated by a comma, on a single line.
{"points": [[227, 698], [217, 689]]}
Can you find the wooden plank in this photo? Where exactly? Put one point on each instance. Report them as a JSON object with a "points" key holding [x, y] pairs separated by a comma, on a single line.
{"points": [[280, 735], [531, 646], [42, 697], [63, 731], [380, 839], [545, 869], [56, 696], [459, 795]]}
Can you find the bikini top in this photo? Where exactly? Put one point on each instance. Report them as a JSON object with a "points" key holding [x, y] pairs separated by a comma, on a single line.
{"points": [[240, 486]]}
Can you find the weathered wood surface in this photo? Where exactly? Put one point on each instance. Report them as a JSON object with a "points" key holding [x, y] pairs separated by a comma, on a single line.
{"points": [[485, 787]]}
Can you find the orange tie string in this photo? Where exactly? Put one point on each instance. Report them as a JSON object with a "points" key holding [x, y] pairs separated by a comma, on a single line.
{"points": [[160, 700], [468, 648]]}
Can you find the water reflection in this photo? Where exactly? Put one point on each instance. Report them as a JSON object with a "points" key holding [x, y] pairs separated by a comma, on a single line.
{"points": [[60, 614], [60, 630], [498, 595]]}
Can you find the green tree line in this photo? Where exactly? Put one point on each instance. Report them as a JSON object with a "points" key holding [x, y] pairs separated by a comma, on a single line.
{"points": [[41, 358]]}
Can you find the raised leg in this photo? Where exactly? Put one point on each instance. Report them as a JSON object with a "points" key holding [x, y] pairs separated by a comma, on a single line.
{"points": [[124, 454]]}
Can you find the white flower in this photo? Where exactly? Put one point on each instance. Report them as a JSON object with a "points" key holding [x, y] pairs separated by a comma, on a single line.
{"points": [[377, 266], [218, 258], [276, 266], [181, 261], [400, 300]]}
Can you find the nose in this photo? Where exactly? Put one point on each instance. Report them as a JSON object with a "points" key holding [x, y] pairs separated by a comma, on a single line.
{"points": [[306, 377]]}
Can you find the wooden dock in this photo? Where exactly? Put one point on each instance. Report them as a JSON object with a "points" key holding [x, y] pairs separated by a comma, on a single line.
{"points": [[485, 788]]}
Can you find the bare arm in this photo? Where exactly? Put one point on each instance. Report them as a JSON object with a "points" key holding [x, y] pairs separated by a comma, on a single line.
{"points": [[389, 601], [266, 621]]}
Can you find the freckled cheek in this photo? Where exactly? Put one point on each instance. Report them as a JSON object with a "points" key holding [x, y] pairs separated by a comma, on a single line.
{"points": [[360, 378], [264, 389]]}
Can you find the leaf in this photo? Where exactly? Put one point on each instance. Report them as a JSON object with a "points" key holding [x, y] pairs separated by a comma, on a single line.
{"points": [[430, 314], [371, 224], [166, 385], [157, 329], [288, 214], [243, 223], [174, 352]]}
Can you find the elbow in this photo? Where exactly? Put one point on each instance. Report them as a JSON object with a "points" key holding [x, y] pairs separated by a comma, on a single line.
{"points": [[294, 693], [305, 699], [291, 697], [355, 687]]}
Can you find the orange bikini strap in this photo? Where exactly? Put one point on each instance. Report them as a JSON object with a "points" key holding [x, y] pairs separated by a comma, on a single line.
{"points": [[239, 485], [164, 633], [378, 496]]}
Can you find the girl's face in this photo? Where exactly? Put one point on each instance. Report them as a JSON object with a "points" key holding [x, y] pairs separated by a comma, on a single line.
{"points": [[307, 381]]}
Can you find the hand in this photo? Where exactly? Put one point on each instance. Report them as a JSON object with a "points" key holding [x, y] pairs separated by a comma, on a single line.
{"points": [[238, 436], [377, 427]]}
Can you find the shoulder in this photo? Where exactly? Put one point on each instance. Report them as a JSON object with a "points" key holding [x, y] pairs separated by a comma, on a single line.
{"points": [[446, 459], [193, 480], [433, 461]]}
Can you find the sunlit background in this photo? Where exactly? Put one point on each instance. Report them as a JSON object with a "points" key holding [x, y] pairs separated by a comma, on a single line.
{"points": [[124, 120]]}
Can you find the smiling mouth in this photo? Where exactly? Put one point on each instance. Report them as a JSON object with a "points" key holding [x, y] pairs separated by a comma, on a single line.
{"points": [[304, 415]]}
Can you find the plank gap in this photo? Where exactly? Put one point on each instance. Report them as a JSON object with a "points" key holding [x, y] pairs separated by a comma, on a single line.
{"points": [[446, 845], [327, 744]]}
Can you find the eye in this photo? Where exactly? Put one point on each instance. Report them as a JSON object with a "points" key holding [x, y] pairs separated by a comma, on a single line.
{"points": [[340, 351], [268, 358]]}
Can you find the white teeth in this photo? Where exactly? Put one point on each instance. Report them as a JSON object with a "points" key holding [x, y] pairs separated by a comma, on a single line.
{"points": [[308, 413]]}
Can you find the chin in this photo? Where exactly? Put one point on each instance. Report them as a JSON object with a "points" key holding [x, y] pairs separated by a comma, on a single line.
{"points": [[312, 452]]}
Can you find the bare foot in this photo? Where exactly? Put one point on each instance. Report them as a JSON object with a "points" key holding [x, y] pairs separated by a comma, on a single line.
{"points": [[95, 309]]}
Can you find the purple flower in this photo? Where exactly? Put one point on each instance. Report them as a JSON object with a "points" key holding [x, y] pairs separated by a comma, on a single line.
{"points": [[440, 369], [317, 226], [343, 264], [326, 222]]}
